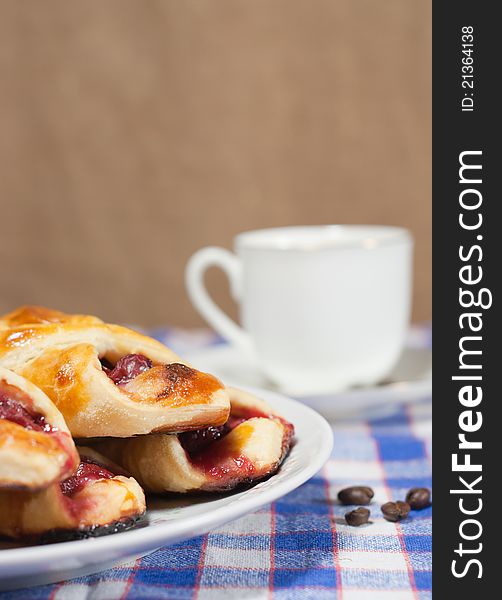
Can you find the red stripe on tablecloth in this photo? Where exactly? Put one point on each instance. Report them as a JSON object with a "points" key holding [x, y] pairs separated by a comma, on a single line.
{"points": [[130, 579], [400, 537], [334, 535], [200, 566], [56, 589], [272, 551]]}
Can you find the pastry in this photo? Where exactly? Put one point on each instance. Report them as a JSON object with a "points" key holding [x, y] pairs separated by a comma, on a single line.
{"points": [[249, 447], [108, 380], [36, 448], [95, 500], [39, 315]]}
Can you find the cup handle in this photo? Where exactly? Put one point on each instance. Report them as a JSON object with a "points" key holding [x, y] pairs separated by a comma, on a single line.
{"points": [[194, 279]]}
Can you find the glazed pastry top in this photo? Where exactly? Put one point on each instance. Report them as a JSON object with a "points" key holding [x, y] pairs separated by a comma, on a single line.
{"points": [[39, 315]]}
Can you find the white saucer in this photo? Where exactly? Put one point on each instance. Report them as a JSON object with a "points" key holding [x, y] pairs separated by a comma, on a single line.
{"points": [[172, 519], [410, 381]]}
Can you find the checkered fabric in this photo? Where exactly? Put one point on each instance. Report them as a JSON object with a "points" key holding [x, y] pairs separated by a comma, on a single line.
{"points": [[299, 547]]}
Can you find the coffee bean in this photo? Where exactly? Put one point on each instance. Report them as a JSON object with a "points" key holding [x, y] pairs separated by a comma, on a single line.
{"points": [[395, 511], [359, 495], [418, 498], [357, 517]]}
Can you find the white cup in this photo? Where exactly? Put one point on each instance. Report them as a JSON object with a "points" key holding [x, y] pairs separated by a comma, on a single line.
{"points": [[323, 308]]}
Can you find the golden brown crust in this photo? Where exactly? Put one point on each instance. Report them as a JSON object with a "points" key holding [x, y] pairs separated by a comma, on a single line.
{"points": [[39, 315], [172, 385], [254, 449], [61, 356], [22, 343], [100, 503], [33, 458]]}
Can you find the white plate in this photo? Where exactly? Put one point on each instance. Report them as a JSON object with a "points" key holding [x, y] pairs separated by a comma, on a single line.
{"points": [[171, 521], [410, 381]]}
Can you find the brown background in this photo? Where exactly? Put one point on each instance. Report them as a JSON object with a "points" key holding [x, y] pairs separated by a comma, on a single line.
{"points": [[134, 132]]}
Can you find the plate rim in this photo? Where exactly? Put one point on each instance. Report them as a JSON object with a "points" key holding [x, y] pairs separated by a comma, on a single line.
{"points": [[15, 562]]}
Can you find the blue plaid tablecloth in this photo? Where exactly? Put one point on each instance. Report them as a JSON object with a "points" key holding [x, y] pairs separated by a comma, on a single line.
{"points": [[299, 547]]}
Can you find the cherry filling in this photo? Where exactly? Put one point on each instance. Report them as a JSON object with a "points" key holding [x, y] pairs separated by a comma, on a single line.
{"points": [[224, 464], [17, 407], [12, 410], [88, 470], [130, 366], [127, 368], [194, 442]]}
